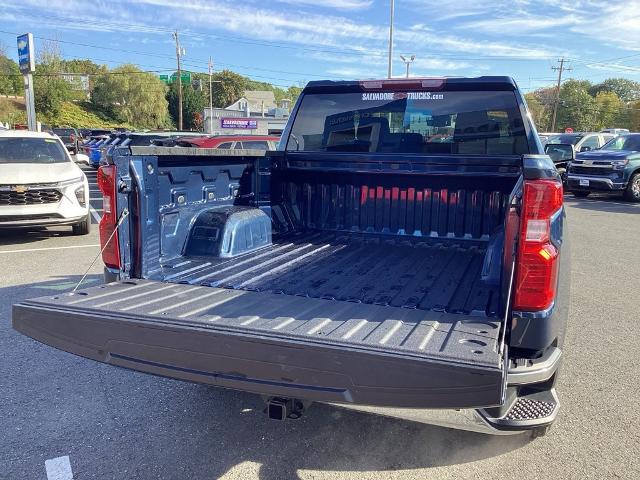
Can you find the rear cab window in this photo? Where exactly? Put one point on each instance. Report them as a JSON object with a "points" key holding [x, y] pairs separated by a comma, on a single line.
{"points": [[414, 122]]}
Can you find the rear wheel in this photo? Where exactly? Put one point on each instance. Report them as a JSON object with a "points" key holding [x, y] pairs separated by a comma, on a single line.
{"points": [[581, 194], [632, 193], [83, 227]]}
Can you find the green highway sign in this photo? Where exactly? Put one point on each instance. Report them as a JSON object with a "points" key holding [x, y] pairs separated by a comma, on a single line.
{"points": [[168, 79], [186, 77]]}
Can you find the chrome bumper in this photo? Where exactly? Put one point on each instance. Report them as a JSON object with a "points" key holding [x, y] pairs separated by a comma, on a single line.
{"points": [[527, 373], [611, 185]]}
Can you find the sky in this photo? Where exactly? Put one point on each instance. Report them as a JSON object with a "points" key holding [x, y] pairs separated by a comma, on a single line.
{"points": [[289, 42]]}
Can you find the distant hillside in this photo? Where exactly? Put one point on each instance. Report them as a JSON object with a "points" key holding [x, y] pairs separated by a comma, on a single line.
{"points": [[12, 110], [83, 115], [78, 115]]}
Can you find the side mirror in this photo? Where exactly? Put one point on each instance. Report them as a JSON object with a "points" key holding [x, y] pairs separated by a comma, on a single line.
{"points": [[585, 149], [81, 158], [560, 152]]}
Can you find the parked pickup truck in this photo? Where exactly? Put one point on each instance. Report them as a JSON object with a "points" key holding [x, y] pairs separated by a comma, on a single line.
{"points": [[613, 169], [402, 253]]}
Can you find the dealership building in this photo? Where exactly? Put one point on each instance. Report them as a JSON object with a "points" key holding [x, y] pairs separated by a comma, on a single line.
{"points": [[256, 113]]}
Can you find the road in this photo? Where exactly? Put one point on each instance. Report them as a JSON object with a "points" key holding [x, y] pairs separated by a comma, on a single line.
{"points": [[117, 424]]}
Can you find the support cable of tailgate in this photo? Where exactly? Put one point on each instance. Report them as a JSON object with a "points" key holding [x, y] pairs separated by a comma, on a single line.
{"points": [[123, 215]]}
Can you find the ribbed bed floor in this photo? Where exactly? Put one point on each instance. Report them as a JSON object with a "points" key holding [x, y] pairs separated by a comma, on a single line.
{"points": [[402, 272]]}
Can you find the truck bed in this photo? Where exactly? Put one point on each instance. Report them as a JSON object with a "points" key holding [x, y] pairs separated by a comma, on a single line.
{"points": [[412, 273]]}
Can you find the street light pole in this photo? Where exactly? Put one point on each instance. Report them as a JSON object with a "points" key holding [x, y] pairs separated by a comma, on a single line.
{"points": [[390, 67], [179, 53], [407, 61]]}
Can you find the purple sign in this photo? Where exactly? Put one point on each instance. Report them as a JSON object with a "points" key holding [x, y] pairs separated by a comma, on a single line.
{"points": [[247, 123]]}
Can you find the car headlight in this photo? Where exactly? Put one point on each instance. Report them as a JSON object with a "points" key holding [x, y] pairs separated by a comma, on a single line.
{"points": [[619, 164], [73, 181], [80, 195]]}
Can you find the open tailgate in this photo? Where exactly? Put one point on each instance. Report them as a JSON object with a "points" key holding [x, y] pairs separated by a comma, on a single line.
{"points": [[279, 345]]}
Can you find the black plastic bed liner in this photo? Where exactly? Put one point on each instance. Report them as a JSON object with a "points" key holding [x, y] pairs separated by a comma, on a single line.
{"points": [[408, 272], [279, 345]]}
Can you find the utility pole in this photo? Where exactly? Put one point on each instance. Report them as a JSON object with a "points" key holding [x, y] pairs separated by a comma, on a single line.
{"points": [[408, 61], [390, 68], [210, 97], [179, 53], [560, 69]]}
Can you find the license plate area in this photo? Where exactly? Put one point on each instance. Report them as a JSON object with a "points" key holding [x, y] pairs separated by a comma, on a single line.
{"points": [[584, 182]]}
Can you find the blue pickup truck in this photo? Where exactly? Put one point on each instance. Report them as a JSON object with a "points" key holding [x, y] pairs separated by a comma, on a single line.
{"points": [[615, 168], [403, 253]]}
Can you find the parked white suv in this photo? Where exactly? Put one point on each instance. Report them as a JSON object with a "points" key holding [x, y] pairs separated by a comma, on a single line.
{"points": [[40, 185]]}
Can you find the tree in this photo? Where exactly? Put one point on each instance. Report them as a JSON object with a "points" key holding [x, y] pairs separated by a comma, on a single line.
{"points": [[50, 89], [634, 116], [626, 90], [231, 89], [577, 108], [84, 66], [538, 111], [293, 93], [10, 79], [611, 111], [133, 96], [193, 102]]}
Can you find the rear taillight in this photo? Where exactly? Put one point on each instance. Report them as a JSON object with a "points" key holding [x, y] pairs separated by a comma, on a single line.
{"points": [[537, 260], [107, 185]]}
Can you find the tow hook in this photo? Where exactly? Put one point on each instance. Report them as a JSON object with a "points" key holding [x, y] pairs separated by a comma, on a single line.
{"points": [[280, 408]]}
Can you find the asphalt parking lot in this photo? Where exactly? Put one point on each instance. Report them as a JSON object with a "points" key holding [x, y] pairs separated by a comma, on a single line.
{"points": [[114, 423]]}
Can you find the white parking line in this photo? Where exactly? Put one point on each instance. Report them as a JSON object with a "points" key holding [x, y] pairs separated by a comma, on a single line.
{"points": [[47, 248], [59, 468], [96, 216]]}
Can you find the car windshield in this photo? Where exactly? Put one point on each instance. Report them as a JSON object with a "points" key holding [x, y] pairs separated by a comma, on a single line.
{"points": [[447, 122], [625, 142], [569, 139], [31, 150]]}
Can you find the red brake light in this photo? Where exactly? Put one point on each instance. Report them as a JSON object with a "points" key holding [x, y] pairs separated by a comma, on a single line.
{"points": [[107, 185], [537, 264]]}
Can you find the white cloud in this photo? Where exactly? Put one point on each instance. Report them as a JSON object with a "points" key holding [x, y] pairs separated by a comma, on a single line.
{"points": [[616, 25], [337, 4], [614, 67], [521, 25]]}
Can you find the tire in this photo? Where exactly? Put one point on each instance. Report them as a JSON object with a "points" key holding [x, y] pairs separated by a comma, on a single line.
{"points": [[632, 193], [580, 194], [83, 227]]}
